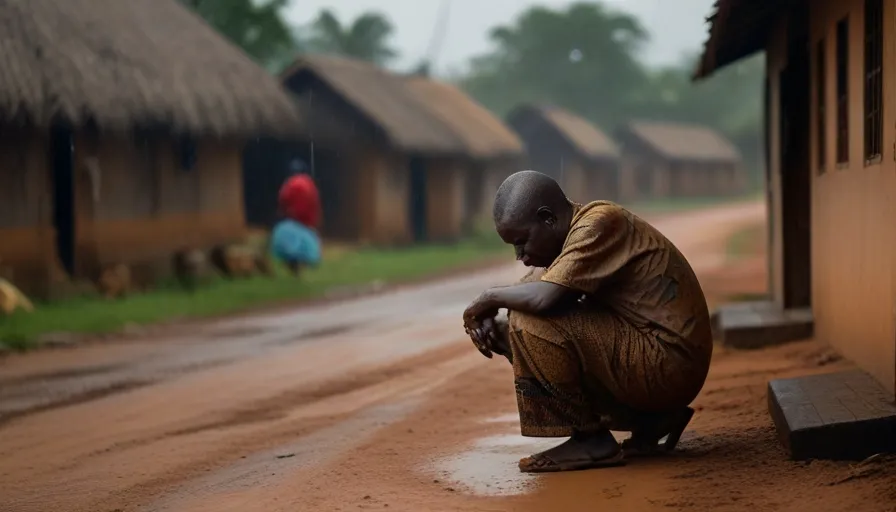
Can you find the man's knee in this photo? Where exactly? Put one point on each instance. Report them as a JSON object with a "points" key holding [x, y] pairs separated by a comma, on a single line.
{"points": [[534, 325]]}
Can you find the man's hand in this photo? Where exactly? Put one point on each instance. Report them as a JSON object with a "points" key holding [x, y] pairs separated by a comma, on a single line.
{"points": [[475, 330], [490, 336], [481, 308]]}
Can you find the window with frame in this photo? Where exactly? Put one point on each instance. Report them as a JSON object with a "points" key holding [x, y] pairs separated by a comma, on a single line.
{"points": [[874, 42], [820, 103], [843, 91]]}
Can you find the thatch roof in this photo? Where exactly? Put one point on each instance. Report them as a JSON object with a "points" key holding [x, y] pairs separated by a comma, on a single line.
{"points": [[583, 136], [127, 63], [385, 99], [685, 142], [738, 29], [484, 135]]}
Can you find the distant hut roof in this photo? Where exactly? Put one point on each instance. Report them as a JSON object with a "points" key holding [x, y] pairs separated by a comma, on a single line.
{"points": [[127, 63], [738, 29], [580, 133], [484, 135], [681, 141], [385, 98]]}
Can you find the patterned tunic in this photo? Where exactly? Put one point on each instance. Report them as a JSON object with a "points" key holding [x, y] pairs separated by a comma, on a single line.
{"points": [[637, 344]]}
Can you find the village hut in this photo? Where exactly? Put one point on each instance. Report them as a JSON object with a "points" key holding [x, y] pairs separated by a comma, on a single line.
{"points": [[830, 176], [493, 151], [582, 158], [665, 159], [386, 166], [121, 129]]}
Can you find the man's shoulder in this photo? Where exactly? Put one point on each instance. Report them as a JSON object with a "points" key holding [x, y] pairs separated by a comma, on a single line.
{"points": [[599, 212]]}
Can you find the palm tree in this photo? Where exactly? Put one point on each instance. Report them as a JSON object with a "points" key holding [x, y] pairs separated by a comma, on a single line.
{"points": [[366, 38]]}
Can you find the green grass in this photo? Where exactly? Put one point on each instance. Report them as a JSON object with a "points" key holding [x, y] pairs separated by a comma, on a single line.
{"points": [[94, 315]]}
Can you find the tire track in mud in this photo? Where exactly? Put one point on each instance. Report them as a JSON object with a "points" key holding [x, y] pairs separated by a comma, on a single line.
{"points": [[25, 388]]}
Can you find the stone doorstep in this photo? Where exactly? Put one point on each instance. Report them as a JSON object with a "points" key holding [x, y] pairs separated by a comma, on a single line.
{"points": [[836, 416], [760, 324]]}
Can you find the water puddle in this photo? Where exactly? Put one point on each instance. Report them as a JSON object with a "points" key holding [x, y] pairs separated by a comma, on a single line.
{"points": [[489, 466]]}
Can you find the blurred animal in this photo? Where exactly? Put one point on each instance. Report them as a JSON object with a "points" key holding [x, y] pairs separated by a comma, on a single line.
{"points": [[234, 261], [189, 266], [12, 299], [115, 281]]}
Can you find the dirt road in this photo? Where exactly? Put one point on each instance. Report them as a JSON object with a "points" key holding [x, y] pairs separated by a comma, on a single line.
{"points": [[375, 403]]}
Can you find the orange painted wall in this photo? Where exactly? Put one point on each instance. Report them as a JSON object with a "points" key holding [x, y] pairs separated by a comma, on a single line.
{"points": [[853, 245]]}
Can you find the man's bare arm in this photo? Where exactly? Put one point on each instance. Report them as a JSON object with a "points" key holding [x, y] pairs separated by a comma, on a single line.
{"points": [[536, 297]]}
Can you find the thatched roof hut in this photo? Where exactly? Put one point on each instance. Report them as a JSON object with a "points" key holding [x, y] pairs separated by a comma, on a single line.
{"points": [[683, 141], [581, 136], [117, 64], [484, 135], [382, 97]]}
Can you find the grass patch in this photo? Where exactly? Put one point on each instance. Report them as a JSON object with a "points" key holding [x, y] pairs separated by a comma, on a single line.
{"points": [[93, 315]]}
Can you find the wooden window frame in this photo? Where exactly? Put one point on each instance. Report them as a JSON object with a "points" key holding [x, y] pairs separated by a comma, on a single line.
{"points": [[873, 76], [821, 97], [842, 89]]}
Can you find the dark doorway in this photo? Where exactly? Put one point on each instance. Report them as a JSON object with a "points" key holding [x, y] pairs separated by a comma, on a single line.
{"points": [[338, 178], [795, 169], [417, 199], [266, 165], [62, 147]]}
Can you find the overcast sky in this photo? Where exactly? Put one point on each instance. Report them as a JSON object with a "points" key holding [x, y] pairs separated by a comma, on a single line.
{"points": [[676, 26]]}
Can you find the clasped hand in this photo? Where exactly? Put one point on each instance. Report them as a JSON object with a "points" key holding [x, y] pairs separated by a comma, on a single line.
{"points": [[483, 328]]}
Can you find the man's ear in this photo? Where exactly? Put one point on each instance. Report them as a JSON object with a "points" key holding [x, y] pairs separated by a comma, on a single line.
{"points": [[546, 215]]}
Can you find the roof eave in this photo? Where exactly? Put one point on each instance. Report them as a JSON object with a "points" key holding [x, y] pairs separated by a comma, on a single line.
{"points": [[723, 48]]}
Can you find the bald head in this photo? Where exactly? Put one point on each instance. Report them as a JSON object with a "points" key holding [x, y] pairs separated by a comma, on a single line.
{"points": [[523, 193], [533, 214]]}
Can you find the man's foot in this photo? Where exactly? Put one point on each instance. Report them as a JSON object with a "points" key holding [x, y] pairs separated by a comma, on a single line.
{"points": [[647, 442], [581, 451]]}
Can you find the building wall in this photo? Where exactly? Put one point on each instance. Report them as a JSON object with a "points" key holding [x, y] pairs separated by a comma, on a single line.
{"points": [[493, 176], [147, 205], [602, 182], [641, 176], [445, 212], [385, 218], [27, 245], [853, 245], [573, 178], [140, 210]]}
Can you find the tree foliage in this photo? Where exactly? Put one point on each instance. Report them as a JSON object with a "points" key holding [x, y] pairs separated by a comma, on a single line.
{"points": [[582, 58], [586, 58], [366, 38], [258, 27]]}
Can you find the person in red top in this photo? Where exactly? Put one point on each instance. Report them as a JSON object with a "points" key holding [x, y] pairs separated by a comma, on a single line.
{"points": [[300, 201], [294, 239]]}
